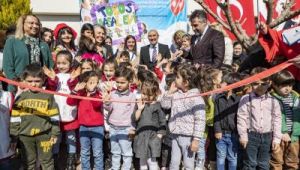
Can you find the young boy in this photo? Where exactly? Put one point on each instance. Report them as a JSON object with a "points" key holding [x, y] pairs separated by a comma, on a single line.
{"points": [[120, 119], [34, 121], [226, 107], [259, 124], [286, 156]]}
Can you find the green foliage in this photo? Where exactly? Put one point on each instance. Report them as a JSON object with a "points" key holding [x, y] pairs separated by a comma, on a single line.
{"points": [[11, 10]]}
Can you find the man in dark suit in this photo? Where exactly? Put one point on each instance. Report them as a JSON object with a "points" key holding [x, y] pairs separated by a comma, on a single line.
{"points": [[208, 45], [150, 53]]}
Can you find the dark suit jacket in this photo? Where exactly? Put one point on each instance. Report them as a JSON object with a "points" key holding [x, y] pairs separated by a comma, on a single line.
{"points": [[210, 49], [145, 55]]}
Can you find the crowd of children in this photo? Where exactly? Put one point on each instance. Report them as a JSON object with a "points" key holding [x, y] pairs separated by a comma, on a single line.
{"points": [[147, 119]]}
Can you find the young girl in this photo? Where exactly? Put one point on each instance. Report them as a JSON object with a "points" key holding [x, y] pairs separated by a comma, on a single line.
{"points": [[68, 114], [65, 37], [87, 30], [211, 80], [130, 45], [150, 126], [47, 37], [120, 119], [167, 139], [87, 50], [90, 119], [124, 57], [108, 78], [187, 121]]}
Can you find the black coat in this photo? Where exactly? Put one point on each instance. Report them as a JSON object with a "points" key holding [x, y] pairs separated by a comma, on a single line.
{"points": [[210, 49], [145, 55]]}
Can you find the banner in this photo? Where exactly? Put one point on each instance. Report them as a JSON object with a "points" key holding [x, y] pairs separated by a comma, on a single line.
{"points": [[136, 17], [245, 11], [118, 18]]}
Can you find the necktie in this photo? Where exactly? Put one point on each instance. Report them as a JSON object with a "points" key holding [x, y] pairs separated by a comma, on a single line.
{"points": [[154, 54]]}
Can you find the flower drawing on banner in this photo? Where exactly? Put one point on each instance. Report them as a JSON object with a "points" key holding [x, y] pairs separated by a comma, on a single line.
{"points": [[177, 6]]}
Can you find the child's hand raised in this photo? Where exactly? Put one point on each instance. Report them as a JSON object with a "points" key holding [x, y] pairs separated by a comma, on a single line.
{"points": [[75, 73], [106, 96], [80, 86], [49, 73], [78, 59], [141, 105]]}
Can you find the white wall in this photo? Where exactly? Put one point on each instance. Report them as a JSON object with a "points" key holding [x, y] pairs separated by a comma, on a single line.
{"points": [[53, 12]]}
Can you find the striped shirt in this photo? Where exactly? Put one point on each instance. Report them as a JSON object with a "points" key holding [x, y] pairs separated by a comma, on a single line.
{"points": [[287, 103]]}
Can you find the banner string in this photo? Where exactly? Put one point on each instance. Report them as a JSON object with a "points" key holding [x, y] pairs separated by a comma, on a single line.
{"points": [[241, 83]]}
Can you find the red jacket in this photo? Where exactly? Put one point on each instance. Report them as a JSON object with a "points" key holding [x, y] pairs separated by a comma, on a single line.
{"points": [[89, 112], [274, 46]]}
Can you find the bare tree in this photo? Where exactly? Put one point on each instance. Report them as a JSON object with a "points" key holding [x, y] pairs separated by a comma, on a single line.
{"points": [[236, 28]]}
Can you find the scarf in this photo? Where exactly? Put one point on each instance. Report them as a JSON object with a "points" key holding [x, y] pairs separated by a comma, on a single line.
{"points": [[34, 49]]}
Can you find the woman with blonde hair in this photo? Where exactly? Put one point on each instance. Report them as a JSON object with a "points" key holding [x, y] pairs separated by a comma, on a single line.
{"points": [[25, 48], [228, 43]]}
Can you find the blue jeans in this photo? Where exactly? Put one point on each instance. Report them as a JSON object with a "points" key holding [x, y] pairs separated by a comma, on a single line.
{"points": [[120, 146], [5, 163], [91, 137], [200, 159], [257, 154], [70, 137], [227, 148]]}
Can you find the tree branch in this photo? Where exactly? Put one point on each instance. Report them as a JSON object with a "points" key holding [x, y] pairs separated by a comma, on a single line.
{"points": [[242, 31], [269, 4], [233, 26], [287, 14], [208, 10]]}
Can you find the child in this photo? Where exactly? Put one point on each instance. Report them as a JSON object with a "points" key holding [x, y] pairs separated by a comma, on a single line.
{"points": [[286, 156], [65, 38], [211, 80], [68, 114], [187, 121], [150, 126], [124, 57], [259, 124], [167, 139], [34, 121], [87, 50], [85, 66], [108, 78], [226, 106], [119, 119], [87, 30], [90, 119], [6, 151]]}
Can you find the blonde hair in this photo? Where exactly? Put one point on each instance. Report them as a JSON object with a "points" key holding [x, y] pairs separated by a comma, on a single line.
{"points": [[20, 25], [178, 33], [219, 27]]}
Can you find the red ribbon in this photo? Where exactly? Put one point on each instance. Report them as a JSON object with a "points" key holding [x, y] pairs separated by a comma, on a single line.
{"points": [[241, 83]]}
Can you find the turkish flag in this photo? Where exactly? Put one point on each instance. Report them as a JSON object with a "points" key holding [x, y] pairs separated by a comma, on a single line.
{"points": [[244, 12]]}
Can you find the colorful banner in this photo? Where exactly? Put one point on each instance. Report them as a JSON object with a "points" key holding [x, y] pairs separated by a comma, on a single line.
{"points": [[136, 17], [167, 16], [119, 19]]}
